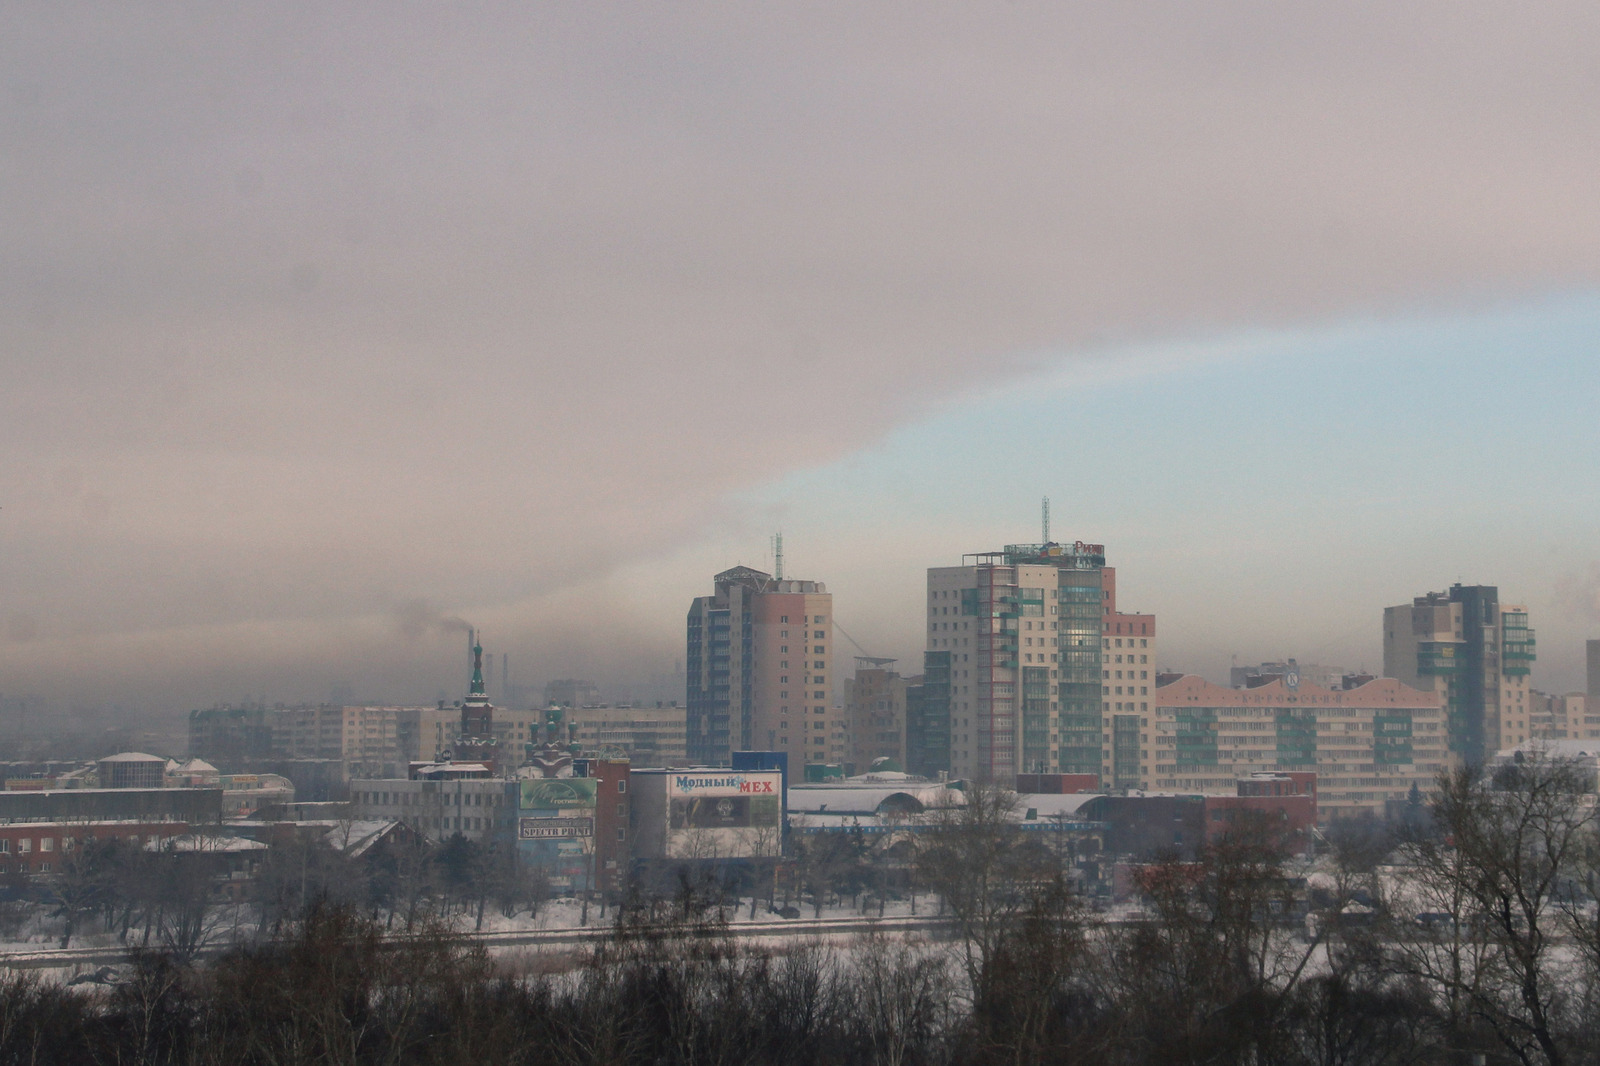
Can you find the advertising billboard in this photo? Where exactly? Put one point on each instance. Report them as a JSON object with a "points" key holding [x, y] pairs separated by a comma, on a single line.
{"points": [[558, 794], [725, 783], [724, 812], [555, 829], [713, 814]]}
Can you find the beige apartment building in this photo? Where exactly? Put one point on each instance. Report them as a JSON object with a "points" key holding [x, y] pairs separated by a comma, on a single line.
{"points": [[1127, 674], [647, 736], [759, 669], [1569, 717], [1367, 744], [370, 741]]}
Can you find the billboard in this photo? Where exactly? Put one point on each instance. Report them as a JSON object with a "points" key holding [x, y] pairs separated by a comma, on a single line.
{"points": [[558, 793], [724, 812], [712, 814], [725, 783], [554, 828]]}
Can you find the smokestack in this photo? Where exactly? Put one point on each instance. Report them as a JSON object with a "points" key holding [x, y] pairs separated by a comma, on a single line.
{"points": [[505, 675]]}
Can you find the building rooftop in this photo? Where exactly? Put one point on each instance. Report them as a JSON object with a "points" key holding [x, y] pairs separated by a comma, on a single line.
{"points": [[865, 798], [197, 843]]}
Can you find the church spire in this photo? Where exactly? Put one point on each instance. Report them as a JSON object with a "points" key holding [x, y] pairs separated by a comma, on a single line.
{"points": [[476, 687]]}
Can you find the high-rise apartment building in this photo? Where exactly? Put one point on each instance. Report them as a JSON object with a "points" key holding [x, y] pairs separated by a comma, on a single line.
{"points": [[1127, 672], [1476, 653], [875, 714], [1016, 670], [760, 651]]}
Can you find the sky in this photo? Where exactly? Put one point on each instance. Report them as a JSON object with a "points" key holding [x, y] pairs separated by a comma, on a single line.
{"points": [[326, 329]]}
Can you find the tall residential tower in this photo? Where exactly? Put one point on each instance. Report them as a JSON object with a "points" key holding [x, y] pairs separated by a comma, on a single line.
{"points": [[1476, 653], [1019, 674], [759, 669]]}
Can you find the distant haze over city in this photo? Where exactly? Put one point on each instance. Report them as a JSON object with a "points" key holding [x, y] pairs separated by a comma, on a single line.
{"points": [[329, 332]]}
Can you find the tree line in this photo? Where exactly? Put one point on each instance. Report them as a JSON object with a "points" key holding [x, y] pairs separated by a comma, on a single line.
{"points": [[1467, 936]]}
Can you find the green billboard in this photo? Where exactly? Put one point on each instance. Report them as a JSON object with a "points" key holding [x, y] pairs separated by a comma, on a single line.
{"points": [[558, 793]]}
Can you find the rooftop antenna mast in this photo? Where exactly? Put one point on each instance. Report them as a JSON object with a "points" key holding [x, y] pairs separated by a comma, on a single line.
{"points": [[777, 556], [1044, 514]]}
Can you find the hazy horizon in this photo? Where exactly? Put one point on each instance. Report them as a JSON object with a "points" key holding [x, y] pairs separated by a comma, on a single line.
{"points": [[328, 329]]}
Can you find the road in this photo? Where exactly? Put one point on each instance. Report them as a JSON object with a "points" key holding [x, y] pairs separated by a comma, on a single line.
{"points": [[91, 957]]}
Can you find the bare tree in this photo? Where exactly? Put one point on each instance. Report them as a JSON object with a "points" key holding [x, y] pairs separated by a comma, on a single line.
{"points": [[974, 857], [1503, 859], [1206, 975]]}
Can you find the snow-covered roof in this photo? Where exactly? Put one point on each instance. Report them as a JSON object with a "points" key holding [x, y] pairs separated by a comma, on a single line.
{"points": [[355, 838], [1046, 805], [450, 769], [196, 843], [1555, 749], [858, 797], [133, 756], [195, 766]]}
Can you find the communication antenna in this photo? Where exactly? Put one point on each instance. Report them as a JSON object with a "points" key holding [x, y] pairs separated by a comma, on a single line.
{"points": [[777, 556], [1045, 519]]}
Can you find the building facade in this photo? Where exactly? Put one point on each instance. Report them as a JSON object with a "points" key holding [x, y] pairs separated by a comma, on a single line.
{"points": [[707, 814], [482, 809], [1476, 653], [1265, 673], [1367, 744], [1030, 668], [759, 669], [875, 715], [1127, 673], [1568, 717], [646, 736]]}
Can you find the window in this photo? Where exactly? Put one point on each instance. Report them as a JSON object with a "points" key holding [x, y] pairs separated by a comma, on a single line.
{"points": [[622, 810], [622, 786], [622, 834]]}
